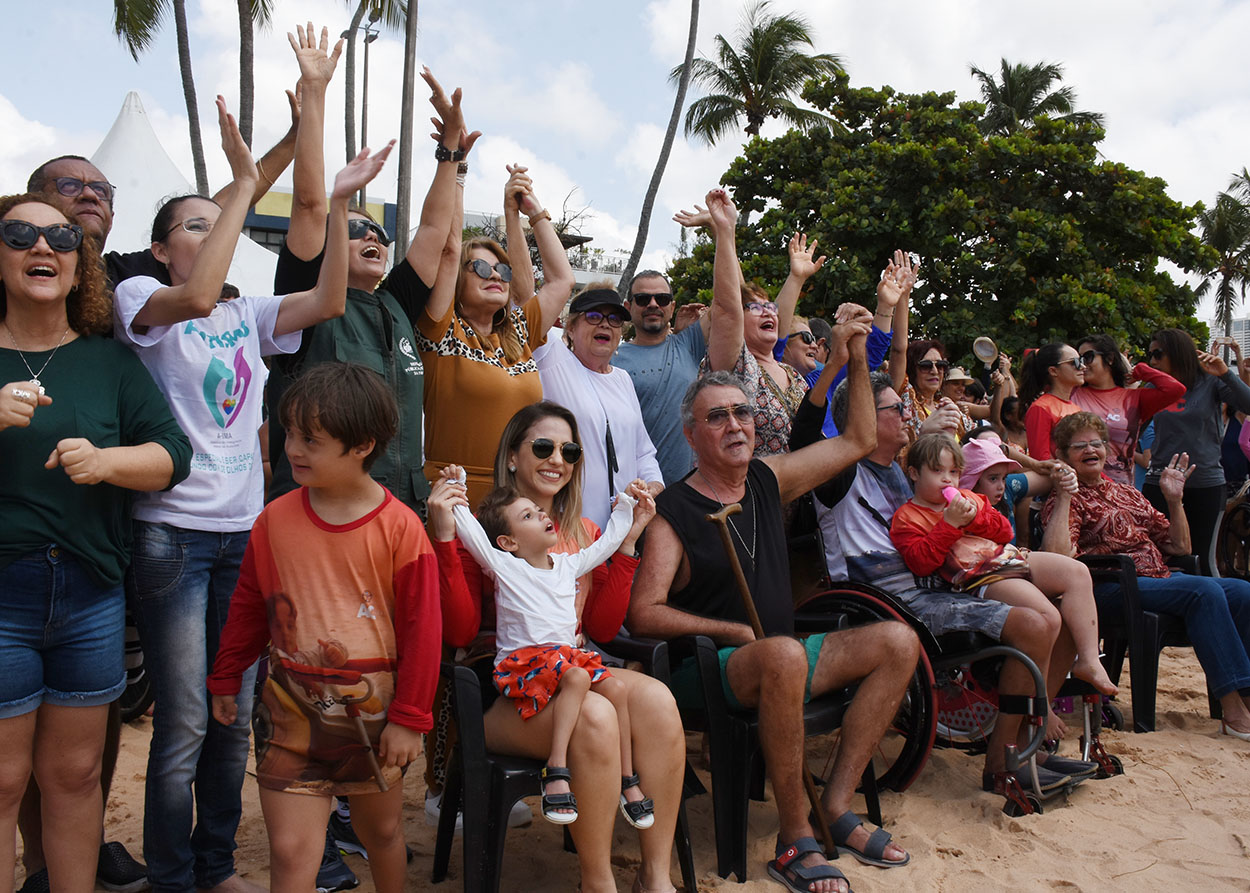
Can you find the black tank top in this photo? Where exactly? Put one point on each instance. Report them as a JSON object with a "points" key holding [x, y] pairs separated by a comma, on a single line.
{"points": [[713, 590]]}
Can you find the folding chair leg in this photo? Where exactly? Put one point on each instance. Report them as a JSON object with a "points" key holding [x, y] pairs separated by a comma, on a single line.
{"points": [[685, 856]]}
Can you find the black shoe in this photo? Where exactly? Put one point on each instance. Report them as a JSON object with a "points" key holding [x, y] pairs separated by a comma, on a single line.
{"points": [[119, 871], [37, 883], [334, 873]]}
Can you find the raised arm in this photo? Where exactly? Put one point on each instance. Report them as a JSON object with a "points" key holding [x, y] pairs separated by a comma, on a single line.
{"points": [[557, 274], [699, 217], [803, 265], [329, 298], [725, 339], [1172, 483], [307, 231], [444, 291], [894, 301], [522, 286], [196, 297]]}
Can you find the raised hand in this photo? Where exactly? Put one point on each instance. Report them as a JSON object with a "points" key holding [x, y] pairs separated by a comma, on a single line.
{"points": [[18, 402], [721, 210], [897, 280], [449, 123], [360, 171], [1174, 475], [316, 61], [802, 264], [698, 217], [1211, 364], [242, 165], [519, 183], [446, 494], [688, 314], [295, 98]]}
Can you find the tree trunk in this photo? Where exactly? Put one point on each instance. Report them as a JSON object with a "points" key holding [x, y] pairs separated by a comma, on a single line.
{"points": [[648, 201], [403, 201], [349, 81], [246, 86], [188, 92]]}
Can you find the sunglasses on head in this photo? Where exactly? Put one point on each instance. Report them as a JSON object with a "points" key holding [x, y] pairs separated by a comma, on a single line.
{"points": [[543, 447], [483, 269], [761, 307], [197, 225], [718, 416], [20, 235], [644, 299], [358, 228], [594, 317], [930, 365], [72, 187]]}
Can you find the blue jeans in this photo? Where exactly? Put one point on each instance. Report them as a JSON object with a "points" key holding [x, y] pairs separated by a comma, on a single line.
{"points": [[182, 581], [1216, 612]]}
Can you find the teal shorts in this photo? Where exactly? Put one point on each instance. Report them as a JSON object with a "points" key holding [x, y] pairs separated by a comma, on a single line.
{"points": [[689, 695]]}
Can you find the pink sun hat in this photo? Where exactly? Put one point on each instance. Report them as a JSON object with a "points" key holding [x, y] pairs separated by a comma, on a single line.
{"points": [[980, 455]]}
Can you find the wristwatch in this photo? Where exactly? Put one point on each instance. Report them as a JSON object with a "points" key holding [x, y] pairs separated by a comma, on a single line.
{"points": [[442, 153]]}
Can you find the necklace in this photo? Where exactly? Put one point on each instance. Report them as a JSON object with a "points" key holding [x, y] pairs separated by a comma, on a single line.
{"points": [[754, 527], [34, 376]]}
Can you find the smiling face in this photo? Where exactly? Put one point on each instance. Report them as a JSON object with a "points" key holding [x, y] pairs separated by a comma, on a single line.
{"points": [[724, 447], [652, 319], [93, 213], [1161, 362], [892, 431], [1064, 373], [954, 389], [319, 460], [759, 327], [178, 249], [1097, 372], [366, 258], [1087, 459], [594, 343], [478, 296], [37, 275], [798, 353], [929, 380], [542, 479]]}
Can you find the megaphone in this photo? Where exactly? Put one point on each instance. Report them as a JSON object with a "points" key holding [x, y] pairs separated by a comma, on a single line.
{"points": [[985, 350]]}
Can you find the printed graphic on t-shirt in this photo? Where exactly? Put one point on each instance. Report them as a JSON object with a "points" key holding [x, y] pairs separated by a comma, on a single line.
{"points": [[225, 387]]}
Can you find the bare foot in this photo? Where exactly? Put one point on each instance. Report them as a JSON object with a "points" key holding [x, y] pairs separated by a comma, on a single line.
{"points": [[1056, 728], [235, 884], [1092, 671], [828, 885]]}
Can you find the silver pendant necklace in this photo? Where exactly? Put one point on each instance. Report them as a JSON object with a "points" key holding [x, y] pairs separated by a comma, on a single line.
{"points": [[754, 527], [34, 376]]}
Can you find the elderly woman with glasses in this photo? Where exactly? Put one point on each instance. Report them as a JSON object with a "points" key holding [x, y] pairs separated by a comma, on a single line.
{"points": [[1048, 378], [1104, 517], [577, 372]]}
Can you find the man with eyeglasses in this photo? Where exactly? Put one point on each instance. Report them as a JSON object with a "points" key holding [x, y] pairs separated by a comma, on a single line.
{"points": [[685, 586], [662, 363]]}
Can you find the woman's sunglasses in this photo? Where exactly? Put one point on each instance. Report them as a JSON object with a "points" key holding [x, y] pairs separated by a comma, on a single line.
{"points": [[643, 299], [358, 228], [20, 235], [1089, 356], [1156, 354], [594, 317], [1077, 363], [483, 269], [543, 447], [930, 365]]}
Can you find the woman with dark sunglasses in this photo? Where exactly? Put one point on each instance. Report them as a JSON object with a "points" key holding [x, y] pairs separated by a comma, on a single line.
{"points": [[538, 456], [1126, 411], [577, 372], [1047, 379], [1193, 426], [82, 425], [926, 367]]}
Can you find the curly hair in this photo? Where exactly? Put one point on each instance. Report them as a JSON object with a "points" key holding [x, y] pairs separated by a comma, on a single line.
{"points": [[88, 305], [504, 325], [1070, 425]]}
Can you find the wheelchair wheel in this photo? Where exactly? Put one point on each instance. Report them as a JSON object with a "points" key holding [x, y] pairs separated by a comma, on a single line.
{"points": [[138, 695], [905, 748], [966, 710], [1012, 808], [1232, 544]]}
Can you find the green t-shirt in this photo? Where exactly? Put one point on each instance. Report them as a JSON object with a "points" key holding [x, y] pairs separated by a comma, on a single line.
{"points": [[100, 391]]}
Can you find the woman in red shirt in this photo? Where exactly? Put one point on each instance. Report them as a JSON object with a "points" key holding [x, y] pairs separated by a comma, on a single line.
{"points": [[1049, 377]]}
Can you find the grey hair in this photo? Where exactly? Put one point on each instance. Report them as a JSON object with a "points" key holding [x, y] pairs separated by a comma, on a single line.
{"points": [[881, 381], [711, 380]]}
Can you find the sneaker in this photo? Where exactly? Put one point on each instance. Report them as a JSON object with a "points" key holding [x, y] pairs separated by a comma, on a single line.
{"points": [[119, 871], [345, 835], [37, 883], [334, 873], [521, 813]]}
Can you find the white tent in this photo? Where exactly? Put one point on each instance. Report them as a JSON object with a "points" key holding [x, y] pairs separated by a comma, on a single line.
{"points": [[135, 162]]}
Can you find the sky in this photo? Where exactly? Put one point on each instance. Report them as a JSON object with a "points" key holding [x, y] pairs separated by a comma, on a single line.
{"points": [[579, 90]]}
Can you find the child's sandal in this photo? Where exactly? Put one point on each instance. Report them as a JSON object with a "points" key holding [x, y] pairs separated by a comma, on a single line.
{"points": [[640, 814], [552, 803]]}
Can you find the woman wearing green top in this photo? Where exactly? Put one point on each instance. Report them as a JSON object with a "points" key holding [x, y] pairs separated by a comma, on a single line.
{"points": [[81, 424]]}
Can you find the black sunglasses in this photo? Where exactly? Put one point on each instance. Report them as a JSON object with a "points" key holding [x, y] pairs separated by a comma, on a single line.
{"points": [[643, 299], [483, 269], [930, 365], [898, 407], [1156, 354], [20, 235], [806, 337], [542, 447], [358, 228], [1089, 356], [594, 317], [72, 187]]}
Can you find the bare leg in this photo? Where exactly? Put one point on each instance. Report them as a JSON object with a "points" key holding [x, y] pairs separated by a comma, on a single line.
{"points": [[376, 818], [17, 738], [1033, 630], [566, 706], [616, 693], [296, 824], [1059, 576]]}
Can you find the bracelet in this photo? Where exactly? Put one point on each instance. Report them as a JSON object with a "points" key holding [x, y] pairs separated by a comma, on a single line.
{"points": [[544, 214], [260, 169], [462, 168]]}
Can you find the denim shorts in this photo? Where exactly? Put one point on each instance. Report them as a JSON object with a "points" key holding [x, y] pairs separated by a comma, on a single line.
{"points": [[62, 640]]}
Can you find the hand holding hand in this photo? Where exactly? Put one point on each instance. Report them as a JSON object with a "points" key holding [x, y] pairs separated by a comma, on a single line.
{"points": [[316, 61], [242, 165], [518, 184], [802, 265], [849, 321], [225, 710], [360, 171], [398, 746], [447, 493], [1174, 475], [944, 418], [81, 459], [698, 217], [18, 401], [960, 512]]}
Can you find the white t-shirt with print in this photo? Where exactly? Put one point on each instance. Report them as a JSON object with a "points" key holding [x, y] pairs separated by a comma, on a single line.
{"points": [[211, 373]]}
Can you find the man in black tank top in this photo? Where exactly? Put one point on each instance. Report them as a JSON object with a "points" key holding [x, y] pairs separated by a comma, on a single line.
{"points": [[685, 586]]}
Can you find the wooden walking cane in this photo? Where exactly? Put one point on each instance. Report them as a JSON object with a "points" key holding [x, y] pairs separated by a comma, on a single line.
{"points": [[721, 520]]}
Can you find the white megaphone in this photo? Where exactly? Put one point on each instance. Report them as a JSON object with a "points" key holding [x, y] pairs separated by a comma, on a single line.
{"points": [[985, 350]]}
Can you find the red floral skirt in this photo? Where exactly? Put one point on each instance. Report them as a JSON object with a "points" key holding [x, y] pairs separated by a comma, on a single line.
{"points": [[531, 675]]}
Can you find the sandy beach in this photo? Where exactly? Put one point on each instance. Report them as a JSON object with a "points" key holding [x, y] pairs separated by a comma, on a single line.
{"points": [[1178, 818]]}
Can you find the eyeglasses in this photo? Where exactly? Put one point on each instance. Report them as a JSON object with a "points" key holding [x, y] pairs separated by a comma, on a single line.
{"points": [[898, 407], [1089, 356], [197, 225], [594, 317], [643, 299], [1156, 354], [20, 235], [718, 416], [482, 268], [759, 308], [1082, 445], [930, 365], [72, 187], [358, 228], [543, 447], [806, 337], [1077, 363]]}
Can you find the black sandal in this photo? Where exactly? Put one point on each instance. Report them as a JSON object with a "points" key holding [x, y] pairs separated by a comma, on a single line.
{"points": [[641, 813], [554, 802]]}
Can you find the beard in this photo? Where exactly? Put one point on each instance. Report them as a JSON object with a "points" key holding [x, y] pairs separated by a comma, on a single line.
{"points": [[653, 325]]}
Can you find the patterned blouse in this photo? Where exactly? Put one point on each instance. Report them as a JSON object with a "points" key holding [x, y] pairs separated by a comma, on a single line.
{"points": [[1108, 518], [774, 407], [920, 412]]}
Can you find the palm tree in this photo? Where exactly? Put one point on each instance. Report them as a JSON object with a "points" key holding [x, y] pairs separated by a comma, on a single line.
{"points": [[136, 22], [403, 197], [1023, 93], [394, 14], [756, 80], [1226, 228], [251, 13], [648, 201]]}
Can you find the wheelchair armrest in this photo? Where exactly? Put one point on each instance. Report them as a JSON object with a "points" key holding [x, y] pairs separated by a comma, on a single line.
{"points": [[806, 622]]}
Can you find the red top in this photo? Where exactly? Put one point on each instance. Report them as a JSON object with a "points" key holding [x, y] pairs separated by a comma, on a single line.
{"points": [[1108, 518], [924, 538], [1126, 411], [468, 596], [1041, 417]]}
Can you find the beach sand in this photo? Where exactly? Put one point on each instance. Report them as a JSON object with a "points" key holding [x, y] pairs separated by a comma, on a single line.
{"points": [[1178, 818]]}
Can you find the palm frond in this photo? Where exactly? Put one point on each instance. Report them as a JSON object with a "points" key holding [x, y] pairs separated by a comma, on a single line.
{"points": [[711, 117], [262, 13], [137, 22]]}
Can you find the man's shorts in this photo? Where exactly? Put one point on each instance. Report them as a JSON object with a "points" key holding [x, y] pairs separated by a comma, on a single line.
{"points": [[689, 694], [944, 611]]}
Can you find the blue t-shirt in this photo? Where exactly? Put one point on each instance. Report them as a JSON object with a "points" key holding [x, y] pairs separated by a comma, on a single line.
{"points": [[1145, 441], [878, 346], [661, 374], [1017, 489]]}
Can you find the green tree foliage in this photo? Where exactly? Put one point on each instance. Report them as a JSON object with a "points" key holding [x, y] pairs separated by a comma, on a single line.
{"points": [[1225, 228], [1027, 238]]}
